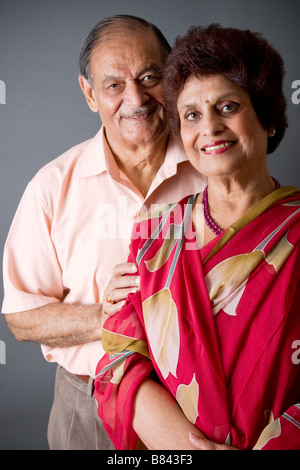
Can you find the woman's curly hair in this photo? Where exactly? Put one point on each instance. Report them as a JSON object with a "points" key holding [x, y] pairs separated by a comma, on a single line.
{"points": [[244, 57]]}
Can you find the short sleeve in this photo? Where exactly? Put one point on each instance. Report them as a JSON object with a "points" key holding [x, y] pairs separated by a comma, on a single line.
{"points": [[31, 272]]}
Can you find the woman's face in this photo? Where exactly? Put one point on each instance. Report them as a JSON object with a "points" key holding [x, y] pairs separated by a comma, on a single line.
{"points": [[219, 128]]}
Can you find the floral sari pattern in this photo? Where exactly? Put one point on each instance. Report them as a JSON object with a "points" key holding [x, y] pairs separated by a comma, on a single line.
{"points": [[216, 325]]}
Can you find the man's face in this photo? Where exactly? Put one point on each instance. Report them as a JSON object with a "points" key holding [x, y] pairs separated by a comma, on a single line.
{"points": [[127, 88]]}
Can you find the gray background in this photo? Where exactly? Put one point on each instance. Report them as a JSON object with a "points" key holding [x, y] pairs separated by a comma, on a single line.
{"points": [[45, 114]]}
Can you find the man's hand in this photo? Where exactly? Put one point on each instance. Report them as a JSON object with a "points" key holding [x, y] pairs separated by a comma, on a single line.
{"points": [[120, 285]]}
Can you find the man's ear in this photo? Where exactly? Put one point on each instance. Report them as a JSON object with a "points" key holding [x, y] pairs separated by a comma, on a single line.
{"points": [[89, 93]]}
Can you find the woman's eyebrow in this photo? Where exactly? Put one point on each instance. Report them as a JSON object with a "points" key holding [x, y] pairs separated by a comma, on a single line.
{"points": [[186, 106], [231, 95], [218, 99]]}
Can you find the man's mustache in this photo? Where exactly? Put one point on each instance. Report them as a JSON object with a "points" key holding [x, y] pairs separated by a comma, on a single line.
{"points": [[147, 108]]}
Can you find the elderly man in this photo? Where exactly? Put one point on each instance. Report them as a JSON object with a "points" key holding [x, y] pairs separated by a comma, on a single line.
{"points": [[74, 222]]}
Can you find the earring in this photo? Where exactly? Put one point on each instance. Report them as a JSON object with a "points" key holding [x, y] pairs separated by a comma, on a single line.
{"points": [[272, 132]]}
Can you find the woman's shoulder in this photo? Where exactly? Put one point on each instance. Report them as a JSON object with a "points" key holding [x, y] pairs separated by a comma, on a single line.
{"points": [[155, 224], [166, 212]]}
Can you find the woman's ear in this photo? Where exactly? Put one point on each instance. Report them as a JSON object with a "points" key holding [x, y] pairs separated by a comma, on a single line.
{"points": [[272, 132]]}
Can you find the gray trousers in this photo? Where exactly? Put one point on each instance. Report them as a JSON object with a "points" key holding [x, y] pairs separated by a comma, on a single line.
{"points": [[74, 423]]}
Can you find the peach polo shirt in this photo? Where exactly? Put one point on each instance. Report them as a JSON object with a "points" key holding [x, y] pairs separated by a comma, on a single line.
{"points": [[73, 225]]}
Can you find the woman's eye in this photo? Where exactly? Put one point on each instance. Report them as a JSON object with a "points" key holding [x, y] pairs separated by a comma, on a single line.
{"points": [[229, 108], [191, 116]]}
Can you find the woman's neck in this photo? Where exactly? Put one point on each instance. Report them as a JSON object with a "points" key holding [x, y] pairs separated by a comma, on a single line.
{"points": [[227, 200]]}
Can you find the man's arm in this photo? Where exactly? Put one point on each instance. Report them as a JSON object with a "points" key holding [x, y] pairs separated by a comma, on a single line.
{"points": [[62, 325], [57, 324]]}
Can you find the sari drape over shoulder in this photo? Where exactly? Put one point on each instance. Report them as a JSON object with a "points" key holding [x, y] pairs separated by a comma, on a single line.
{"points": [[220, 326]]}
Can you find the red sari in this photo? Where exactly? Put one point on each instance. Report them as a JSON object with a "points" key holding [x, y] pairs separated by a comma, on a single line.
{"points": [[220, 326]]}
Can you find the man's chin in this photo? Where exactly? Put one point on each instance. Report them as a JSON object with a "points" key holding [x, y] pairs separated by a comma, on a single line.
{"points": [[143, 130]]}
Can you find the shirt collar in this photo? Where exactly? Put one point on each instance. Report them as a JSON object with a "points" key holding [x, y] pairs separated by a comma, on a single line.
{"points": [[93, 158], [175, 155], [97, 158]]}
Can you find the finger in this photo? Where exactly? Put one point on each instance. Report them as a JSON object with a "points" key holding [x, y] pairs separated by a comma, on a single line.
{"points": [[120, 282], [125, 281], [121, 294], [113, 309], [109, 299], [202, 443], [124, 268], [199, 442]]}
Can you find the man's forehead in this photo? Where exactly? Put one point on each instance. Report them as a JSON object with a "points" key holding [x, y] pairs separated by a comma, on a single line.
{"points": [[124, 41], [126, 32], [125, 53]]}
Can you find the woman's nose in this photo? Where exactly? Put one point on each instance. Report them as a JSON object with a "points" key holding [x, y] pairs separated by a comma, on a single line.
{"points": [[211, 124]]}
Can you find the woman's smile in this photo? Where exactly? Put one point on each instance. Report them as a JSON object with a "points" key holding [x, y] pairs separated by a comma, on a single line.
{"points": [[218, 147]]}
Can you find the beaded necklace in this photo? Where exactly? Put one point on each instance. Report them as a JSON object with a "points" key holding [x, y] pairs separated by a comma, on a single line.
{"points": [[207, 217]]}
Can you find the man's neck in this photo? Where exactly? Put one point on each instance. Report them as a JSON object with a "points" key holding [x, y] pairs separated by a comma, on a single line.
{"points": [[141, 164]]}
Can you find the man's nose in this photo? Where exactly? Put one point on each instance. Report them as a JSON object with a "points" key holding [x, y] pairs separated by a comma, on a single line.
{"points": [[134, 94]]}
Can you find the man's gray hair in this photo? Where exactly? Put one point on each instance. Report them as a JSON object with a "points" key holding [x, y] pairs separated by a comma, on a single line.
{"points": [[101, 31]]}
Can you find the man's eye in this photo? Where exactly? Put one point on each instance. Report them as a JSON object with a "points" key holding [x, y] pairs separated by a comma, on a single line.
{"points": [[150, 79], [115, 87]]}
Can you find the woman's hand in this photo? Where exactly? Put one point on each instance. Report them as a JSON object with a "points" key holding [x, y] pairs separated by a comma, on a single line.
{"points": [[202, 443], [120, 285]]}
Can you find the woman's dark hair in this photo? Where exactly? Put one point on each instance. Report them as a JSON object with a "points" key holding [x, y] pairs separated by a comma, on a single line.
{"points": [[243, 57], [106, 28]]}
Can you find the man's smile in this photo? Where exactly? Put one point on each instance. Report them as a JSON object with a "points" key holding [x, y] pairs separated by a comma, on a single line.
{"points": [[140, 114]]}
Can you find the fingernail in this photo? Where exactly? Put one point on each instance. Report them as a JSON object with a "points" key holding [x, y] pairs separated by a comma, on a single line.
{"points": [[133, 291], [136, 280], [133, 268]]}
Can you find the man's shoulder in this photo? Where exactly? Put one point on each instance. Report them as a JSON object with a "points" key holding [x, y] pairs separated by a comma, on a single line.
{"points": [[65, 161], [59, 173], [69, 164]]}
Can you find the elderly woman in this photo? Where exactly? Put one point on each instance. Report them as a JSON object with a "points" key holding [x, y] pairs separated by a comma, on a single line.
{"points": [[217, 316]]}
